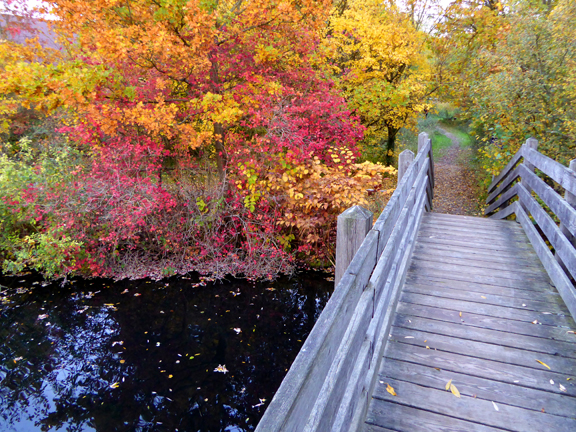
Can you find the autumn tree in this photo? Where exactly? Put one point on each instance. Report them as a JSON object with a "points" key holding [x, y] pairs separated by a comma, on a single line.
{"points": [[382, 64]]}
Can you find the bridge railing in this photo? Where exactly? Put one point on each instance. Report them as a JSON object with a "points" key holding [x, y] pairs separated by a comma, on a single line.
{"points": [[548, 219], [330, 383]]}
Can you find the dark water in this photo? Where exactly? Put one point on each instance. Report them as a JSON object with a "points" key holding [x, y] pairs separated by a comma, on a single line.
{"points": [[141, 356]]}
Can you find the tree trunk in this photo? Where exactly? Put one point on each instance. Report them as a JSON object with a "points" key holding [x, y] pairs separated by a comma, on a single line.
{"points": [[390, 145]]}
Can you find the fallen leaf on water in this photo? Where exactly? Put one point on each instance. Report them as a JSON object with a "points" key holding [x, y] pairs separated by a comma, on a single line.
{"points": [[115, 385], [137, 295], [562, 388], [390, 389], [543, 364], [495, 406], [454, 390], [448, 385], [221, 368], [122, 361]]}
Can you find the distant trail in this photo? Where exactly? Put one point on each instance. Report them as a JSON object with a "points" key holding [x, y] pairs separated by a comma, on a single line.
{"points": [[454, 187]]}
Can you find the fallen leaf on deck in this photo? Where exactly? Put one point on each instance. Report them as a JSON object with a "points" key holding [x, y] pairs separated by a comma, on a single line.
{"points": [[562, 388], [460, 313], [535, 322], [495, 406], [448, 385], [390, 389], [552, 382], [543, 364], [483, 297], [408, 337], [454, 390]]}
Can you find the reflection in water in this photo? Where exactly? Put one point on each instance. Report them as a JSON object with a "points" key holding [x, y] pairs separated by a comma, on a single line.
{"points": [[149, 356]]}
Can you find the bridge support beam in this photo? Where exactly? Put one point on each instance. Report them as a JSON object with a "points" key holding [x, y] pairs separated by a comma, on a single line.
{"points": [[353, 225]]}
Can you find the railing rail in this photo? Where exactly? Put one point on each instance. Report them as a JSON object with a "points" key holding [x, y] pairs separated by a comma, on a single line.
{"points": [[330, 382], [518, 182]]}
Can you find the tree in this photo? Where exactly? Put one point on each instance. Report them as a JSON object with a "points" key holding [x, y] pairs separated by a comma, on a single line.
{"points": [[382, 64]]}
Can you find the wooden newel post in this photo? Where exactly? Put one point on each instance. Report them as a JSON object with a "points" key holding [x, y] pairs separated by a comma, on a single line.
{"points": [[353, 225], [404, 161], [533, 144], [422, 141], [570, 199]]}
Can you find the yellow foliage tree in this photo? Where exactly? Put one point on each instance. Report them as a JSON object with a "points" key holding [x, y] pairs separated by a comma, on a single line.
{"points": [[382, 63]]}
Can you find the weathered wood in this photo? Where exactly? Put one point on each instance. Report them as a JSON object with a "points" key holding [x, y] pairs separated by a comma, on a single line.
{"points": [[352, 227], [474, 409], [531, 143], [483, 228], [565, 212], [552, 319], [468, 220], [486, 296], [470, 288], [474, 271], [515, 159], [467, 260], [294, 400], [425, 146], [481, 350], [488, 322], [513, 239], [562, 175], [468, 385], [352, 411], [562, 246], [504, 185], [483, 368], [505, 212], [527, 259], [404, 160], [505, 339], [500, 202], [565, 227], [561, 281]]}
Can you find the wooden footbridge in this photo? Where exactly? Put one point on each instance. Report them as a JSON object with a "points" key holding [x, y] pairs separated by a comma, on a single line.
{"points": [[447, 323]]}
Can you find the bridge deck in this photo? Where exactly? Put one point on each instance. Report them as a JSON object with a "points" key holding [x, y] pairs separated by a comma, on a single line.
{"points": [[477, 308]]}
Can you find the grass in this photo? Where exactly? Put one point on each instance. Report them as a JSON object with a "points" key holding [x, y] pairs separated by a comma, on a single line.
{"points": [[440, 143]]}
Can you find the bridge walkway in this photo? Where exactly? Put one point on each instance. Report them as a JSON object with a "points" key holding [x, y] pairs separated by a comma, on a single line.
{"points": [[478, 311]]}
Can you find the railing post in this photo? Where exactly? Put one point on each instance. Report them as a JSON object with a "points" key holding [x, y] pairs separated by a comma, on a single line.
{"points": [[570, 199], [404, 161], [533, 144], [422, 141], [352, 227]]}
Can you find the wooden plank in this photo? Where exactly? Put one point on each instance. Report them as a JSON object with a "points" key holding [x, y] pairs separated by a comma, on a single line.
{"points": [[468, 220], [479, 246], [561, 244], [527, 259], [329, 398], [483, 289], [519, 275], [482, 350], [468, 260], [503, 186], [505, 212], [504, 198], [558, 172], [401, 418], [556, 273], [477, 410], [468, 385], [482, 368], [493, 298], [352, 410], [502, 236], [515, 159], [488, 228], [552, 319], [387, 219], [488, 322], [458, 330], [559, 206], [294, 399], [533, 284]]}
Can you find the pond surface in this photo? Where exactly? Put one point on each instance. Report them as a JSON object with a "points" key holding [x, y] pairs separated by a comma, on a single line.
{"points": [[175, 355]]}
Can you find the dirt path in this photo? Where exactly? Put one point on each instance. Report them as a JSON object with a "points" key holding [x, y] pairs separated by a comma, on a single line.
{"points": [[454, 187]]}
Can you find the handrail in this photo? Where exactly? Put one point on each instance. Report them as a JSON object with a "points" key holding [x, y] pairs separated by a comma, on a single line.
{"points": [[561, 266], [330, 382]]}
